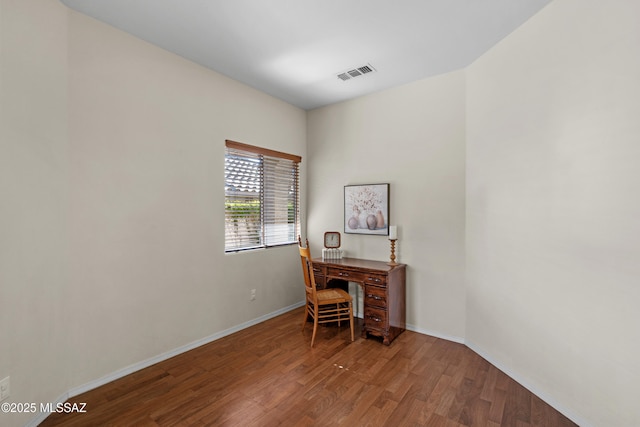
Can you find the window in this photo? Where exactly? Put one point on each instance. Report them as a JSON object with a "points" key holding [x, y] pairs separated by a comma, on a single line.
{"points": [[262, 200]]}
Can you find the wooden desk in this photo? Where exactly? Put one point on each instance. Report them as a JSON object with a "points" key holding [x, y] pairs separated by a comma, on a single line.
{"points": [[383, 288]]}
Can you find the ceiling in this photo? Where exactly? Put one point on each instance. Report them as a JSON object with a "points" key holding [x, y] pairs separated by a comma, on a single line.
{"points": [[294, 49]]}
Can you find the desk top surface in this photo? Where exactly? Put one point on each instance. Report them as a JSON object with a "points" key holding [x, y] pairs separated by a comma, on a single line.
{"points": [[357, 263]]}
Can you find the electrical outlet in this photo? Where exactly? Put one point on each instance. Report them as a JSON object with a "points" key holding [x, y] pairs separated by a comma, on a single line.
{"points": [[253, 295], [5, 388]]}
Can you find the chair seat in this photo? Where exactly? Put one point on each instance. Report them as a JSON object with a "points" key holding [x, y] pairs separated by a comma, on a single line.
{"points": [[331, 296]]}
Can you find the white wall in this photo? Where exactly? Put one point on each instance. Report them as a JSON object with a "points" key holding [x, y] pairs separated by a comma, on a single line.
{"points": [[111, 190], [148, 122], [553, 213], [413, 138], [34, 201]]}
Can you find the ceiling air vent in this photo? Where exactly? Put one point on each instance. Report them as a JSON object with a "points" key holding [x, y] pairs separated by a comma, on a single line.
{"points": [[356, 72]]}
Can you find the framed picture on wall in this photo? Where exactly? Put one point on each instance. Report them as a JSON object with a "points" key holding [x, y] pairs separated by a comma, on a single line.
{"points": [[366, 209]]}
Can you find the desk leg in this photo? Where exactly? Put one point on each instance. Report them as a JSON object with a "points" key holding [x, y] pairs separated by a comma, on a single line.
{"points": [[363, 334]]}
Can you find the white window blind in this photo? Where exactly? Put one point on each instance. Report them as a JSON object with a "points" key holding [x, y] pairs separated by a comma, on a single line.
{"points": [[262, 201]]}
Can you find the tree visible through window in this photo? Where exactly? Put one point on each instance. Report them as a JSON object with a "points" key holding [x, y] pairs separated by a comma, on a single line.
{"points": [[262, 201]]}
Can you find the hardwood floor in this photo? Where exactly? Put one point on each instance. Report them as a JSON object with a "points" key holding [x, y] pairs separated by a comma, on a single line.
{"points": [[267, 375]]}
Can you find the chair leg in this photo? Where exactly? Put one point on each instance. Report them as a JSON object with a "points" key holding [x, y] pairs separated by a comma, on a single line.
{"points": [[315, 328], [306, 316]]}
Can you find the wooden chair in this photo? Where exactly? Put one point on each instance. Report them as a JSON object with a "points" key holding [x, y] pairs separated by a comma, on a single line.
{"points": [[325, 305]]}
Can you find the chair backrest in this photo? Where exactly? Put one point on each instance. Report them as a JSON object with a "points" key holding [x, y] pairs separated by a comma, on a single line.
{"points": [[307, 270]]}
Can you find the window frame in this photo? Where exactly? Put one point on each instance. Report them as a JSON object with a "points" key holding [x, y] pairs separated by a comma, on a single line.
{"points": [[269, 179]]}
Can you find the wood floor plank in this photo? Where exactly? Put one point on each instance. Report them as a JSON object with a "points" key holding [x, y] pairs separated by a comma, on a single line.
{"points": [[268, 375], [498, 400]]}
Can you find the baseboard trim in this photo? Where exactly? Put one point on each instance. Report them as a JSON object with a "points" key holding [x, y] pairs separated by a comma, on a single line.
{"points": [[431, 333], [542, 395], [159, 358], [34, 422]]}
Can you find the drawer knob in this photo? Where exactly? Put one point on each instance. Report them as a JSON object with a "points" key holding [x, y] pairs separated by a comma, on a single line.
{"points": [[374, 279], [374, 318], [375, 297]]}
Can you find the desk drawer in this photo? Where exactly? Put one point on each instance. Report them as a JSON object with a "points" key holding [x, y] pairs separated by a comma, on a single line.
{"points": [[375, 318], [354, 276], [375, 279], [376, 297]]}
